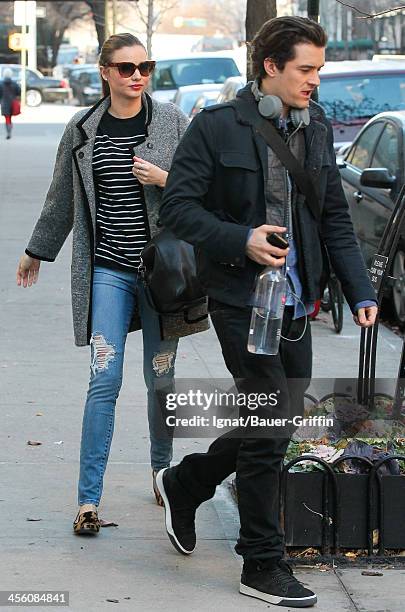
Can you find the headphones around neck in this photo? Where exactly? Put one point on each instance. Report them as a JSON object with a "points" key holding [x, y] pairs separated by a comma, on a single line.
{"points": [[270, 107]]}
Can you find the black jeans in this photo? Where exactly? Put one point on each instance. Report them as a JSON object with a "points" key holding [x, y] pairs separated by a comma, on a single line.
{"points": [[257, 461]]}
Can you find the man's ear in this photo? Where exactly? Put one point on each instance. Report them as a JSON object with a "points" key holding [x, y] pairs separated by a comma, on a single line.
{"points": [[270, 67]]}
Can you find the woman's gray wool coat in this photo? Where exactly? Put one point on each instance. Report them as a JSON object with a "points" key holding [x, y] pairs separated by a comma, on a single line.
{"points": [[71, 204]]}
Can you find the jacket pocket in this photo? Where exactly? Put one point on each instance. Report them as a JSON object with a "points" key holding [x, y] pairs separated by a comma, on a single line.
{"points": [[236, 159]]}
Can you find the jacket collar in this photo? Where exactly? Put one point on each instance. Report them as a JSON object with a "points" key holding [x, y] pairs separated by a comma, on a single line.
{"points": [[88, 124], [315, 133], [249, 114]]}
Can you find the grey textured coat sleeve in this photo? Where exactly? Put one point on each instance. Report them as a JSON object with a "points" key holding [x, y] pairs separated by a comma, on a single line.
{"points": [[56, 219]]}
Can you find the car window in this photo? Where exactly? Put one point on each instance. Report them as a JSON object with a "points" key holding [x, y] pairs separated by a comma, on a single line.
{"points": [[89, 78], [31, 77], [187, 101], [360, 154], [361, 96], [171, 74], [16, 74], [386, 154], [94, 78]]}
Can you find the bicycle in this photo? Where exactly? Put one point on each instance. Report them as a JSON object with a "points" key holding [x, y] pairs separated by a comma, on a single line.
{"points": [[332, 301]]}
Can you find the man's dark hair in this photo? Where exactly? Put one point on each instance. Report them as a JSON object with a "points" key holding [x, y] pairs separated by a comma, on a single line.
{"points": [[277, 39]]}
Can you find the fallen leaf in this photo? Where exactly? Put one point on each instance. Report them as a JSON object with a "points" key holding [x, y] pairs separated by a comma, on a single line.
{"points": [[39, 414], [113, 600], [375, 537], [370, 573], [351, 555], [60, 442], [33, 443], [34, 519], [104, 523]]}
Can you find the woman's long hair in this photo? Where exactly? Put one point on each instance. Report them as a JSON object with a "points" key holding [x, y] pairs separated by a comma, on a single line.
{"points": [[116, 41]]}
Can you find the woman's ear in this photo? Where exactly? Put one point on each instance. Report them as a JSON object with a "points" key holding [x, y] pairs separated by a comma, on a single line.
{"points": [[103, 73]]}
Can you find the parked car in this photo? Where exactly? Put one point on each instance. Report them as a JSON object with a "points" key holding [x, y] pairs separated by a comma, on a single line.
{"points": [[197, 68], [86, 85], [351, 92], [388, 57], [230, 88], [39, 88], [214, 43], [64, 71], [207, 98], [187, 95], [371, 194]]}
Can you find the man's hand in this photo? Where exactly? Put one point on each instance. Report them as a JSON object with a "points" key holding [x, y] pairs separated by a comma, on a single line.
{"points": [[365, 317], [148, 174], [258, 249], [27, 271]]}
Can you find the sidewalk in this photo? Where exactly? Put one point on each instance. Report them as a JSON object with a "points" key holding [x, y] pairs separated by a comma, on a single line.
{"points": [[43, 381]]}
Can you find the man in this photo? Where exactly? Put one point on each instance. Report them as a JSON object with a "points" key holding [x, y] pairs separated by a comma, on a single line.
{"points": [[227, 191]]}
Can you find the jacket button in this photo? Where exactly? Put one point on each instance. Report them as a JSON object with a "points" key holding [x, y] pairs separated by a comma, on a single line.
{"points": [[81, 155], [149, 145]]}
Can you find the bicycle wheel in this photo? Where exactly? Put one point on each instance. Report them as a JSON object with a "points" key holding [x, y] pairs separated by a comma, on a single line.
{"points": [[336, 303]]}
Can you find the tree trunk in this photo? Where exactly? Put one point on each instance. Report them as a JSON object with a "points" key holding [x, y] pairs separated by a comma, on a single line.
{"points": [[56, 43], [257, 12], [149, 28], [98, 9], [313, 9], [313, 13]]}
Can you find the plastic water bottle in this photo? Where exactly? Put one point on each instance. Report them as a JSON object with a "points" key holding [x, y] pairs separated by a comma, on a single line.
{"points": [[267, 312]]}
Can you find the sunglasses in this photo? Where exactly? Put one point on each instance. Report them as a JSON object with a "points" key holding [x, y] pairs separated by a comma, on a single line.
{"points": [[127, 69]]}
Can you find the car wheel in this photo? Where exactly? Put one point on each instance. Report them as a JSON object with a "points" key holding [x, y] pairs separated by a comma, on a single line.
{"points": [[398, 290], [33, 97]]}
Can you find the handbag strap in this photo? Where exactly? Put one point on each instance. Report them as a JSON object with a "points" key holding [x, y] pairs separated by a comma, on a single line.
{"points": [[300, 176]]}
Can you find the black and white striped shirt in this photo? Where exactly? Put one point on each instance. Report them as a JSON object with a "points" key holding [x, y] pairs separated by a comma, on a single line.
{"points": [[122, 227]]}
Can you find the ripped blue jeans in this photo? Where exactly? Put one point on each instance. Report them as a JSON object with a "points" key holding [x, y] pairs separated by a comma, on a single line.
{"points": [[115, 294]]}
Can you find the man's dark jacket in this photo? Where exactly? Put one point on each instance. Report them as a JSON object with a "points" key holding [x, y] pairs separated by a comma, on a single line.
{"points": [[215, 193]]}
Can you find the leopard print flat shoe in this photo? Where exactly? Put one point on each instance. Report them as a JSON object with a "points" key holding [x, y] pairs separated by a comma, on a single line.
{"points": [[86, 523], [158, 497]]}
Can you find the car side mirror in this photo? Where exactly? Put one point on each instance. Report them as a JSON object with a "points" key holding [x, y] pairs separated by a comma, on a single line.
{"points": [[377, 177]]}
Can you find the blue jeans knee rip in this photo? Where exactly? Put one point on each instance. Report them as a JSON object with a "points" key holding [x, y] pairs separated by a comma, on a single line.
{"points": [[102, 353], [162, 362]]}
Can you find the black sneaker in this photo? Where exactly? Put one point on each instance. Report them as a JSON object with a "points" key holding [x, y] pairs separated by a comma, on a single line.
{"points": [[275, 585], [179, 514]]}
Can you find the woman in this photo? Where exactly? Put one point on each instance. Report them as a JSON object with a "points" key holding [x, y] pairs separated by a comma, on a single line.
{"points": [[110, 171], [9, 91]]}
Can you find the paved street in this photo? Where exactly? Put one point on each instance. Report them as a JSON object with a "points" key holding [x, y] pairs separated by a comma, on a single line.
{"points": [[43, 381]]}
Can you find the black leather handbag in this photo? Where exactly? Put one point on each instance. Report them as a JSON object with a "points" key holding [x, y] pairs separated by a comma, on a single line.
{"points": [[168, 269]]}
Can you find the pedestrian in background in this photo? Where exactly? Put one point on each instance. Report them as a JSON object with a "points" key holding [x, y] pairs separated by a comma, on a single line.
{"points": [[10, 94], [112, 204]]}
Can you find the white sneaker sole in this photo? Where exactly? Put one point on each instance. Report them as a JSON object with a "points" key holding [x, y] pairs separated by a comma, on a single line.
{"points": [[302, 602], [168, 516]]}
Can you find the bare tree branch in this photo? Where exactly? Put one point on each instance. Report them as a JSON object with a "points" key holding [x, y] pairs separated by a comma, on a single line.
{"points": [[150, 13], [370, 15]]}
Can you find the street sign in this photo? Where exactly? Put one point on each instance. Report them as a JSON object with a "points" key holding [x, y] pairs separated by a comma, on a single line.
{"points": [[377, 269], [16, 41], [25, 13]]}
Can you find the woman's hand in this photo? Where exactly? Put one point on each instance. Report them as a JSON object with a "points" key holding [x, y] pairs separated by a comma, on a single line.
{"points": [[148, 174], [27, 271]]}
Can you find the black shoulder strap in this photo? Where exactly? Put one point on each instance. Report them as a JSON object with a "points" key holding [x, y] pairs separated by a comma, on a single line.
{"points": [[300, 176]]}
